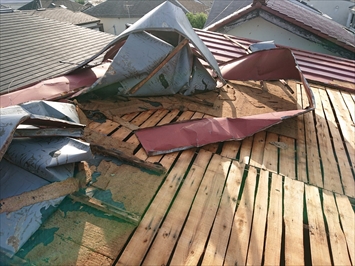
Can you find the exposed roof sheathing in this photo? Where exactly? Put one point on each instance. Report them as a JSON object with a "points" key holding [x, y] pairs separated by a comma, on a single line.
{"points": [[34, 48]]}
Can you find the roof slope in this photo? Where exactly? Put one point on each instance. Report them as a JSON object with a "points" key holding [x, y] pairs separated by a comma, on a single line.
{"points": [[298, 15], [34, 48], [64, 15], [127, 9], [36, 4]]}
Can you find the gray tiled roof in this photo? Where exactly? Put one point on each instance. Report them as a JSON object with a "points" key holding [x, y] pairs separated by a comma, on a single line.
{"points": [[34, 48], [64, 15], [126, 9], [222, 8], [33, 5]]}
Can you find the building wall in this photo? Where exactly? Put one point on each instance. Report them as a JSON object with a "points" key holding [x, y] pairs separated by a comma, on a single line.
{"points": [[116, 25], [262, 30], [338, 10]]}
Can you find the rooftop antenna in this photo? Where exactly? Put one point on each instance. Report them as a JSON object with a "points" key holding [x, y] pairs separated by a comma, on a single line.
{"points": [[127, 6]]}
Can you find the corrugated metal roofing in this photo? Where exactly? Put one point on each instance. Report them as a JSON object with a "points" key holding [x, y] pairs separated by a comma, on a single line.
{"points": [[35, 48], [316, 67]]}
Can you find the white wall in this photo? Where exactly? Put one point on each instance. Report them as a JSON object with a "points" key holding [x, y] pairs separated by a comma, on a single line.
{"points": [[110, 24], [262, 30], [338, 10]]}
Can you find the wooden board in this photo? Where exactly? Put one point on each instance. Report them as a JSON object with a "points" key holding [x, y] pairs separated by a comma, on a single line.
{"points": [[338, 245], [347, 218], [344, 120], [347, 177], [239, 240], [293, 219], [230, 149], [245, 150], [137, 247], [257, 153], [270, 160], [350, 104], [256, 244], [274, 223], [331, 176], [190, 246], [313, 160], [170, 230], [287, 162], [318, 237], [218, 241], [301, 138]]}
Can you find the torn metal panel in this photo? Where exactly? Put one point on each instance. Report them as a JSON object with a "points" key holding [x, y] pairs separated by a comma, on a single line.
{"points": [[132, 64], [17, 227], [197, 133], [55, 88], [37, 113], [158, 32], [51, 158], [271, 64]]}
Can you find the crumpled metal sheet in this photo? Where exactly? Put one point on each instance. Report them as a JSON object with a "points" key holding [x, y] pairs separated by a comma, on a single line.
{"points": [[28, 163], [138, 50], [37, 113], [271, 64], [17, 227], [183, 73]]}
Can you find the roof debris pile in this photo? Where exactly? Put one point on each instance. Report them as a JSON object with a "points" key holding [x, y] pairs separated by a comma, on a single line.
{"points": [[37, 148], [166, 65]]}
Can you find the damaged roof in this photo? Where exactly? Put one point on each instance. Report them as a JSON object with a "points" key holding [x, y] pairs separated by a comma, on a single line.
{"points": [[51, 48], [297, 15], [38, 4]]}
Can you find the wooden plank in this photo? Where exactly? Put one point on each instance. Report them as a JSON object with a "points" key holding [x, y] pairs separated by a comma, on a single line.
{"points": [[245, 150], [347, 177], [350, 104], [123, 132], [338, 245], [218, 241], [256, 245], [138, 246], [192, 241], [270, 160], [317, 234], [230, 149], [347, 218], [257, 153], [120, 120], [160, 250], [274, 223], [313, 160], [239, 240], [106, 127], [301, 138], [344, 119], [293, 219], [331, 176], [287, 164]]}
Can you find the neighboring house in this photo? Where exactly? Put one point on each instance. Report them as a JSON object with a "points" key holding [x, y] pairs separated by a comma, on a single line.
{"points": [[338, 10], [39, 4], [34, 48], [68, 16], [117, 14], [288, 23]]}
